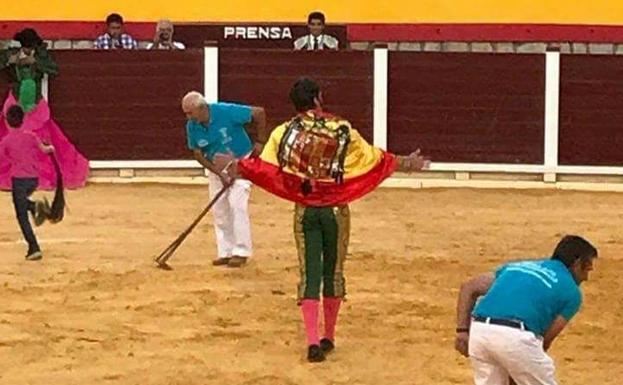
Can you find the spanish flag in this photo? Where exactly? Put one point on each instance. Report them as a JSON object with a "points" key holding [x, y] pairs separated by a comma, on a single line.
{"points": [[318, 160]]}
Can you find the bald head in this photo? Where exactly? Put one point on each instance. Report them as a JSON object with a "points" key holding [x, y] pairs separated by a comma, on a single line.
{"points": [[164, 29], [195, 106], [165, 23], [193, 99]]}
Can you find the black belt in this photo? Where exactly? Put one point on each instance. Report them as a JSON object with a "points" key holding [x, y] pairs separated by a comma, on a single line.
{"points": [[502, 322]]}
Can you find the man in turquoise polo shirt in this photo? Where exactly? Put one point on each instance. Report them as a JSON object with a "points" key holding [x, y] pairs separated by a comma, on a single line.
{"points": [[215, 129], [525, 306]]}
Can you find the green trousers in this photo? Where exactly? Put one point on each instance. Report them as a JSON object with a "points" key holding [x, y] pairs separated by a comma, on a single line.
{"points": [[321, 235]]}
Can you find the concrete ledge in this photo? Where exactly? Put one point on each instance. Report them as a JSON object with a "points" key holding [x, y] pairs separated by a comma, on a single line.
{"points": [[498, 184], [150, 179], [426, 180]]}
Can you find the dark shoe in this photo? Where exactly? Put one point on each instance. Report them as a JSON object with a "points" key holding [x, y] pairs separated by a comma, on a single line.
{"points": [[34, 256], [315, 354], [220, 261], [326, 345], [237, 261]]}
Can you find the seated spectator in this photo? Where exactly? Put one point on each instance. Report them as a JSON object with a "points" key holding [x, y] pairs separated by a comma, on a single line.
{"points": [[164, 37], [316, 39], [114, 38]]}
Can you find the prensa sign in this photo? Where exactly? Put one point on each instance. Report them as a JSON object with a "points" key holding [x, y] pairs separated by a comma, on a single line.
{"points": [[257, 33], [234, 35]]}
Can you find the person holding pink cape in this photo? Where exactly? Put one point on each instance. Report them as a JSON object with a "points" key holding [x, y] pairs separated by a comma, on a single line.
{"points": [[27, 61]]}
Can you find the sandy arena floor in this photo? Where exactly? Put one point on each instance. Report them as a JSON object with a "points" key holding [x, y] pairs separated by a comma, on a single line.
{"points": [[96, 311]]}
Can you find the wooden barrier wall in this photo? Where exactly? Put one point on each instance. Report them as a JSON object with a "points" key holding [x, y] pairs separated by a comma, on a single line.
{"points": [[467, 108], [461, 107], [591, 111], [125, 105], [265, 79]]}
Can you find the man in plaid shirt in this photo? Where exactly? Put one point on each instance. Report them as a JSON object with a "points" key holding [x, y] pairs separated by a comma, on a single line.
{"points": [[114, 38]]}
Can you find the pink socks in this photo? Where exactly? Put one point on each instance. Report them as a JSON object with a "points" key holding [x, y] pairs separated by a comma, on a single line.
{"points": [[331, 307], [310, 309]]}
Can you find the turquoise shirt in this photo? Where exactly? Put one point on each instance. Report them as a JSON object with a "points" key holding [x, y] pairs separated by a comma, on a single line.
{"points": [[535, 292], [225, 133]]}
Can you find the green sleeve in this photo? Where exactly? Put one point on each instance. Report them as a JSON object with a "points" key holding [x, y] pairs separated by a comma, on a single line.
{"points": [[4, 59], [45, 64]]}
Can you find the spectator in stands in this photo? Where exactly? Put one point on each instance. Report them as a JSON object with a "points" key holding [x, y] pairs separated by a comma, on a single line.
{"points": [[164, 37], [114, 38], [26, 63], [316, 40]]}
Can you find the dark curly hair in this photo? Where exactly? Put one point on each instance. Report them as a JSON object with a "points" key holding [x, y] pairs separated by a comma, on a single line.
{"points": [[15, 116], [28, 38], [572, 248], [303, 93]]}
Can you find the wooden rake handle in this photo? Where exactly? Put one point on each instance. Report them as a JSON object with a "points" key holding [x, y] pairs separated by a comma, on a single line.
{"points": [[162, 259]]}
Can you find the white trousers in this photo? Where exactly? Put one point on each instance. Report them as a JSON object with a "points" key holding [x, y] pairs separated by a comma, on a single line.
{"points": [[498, 352], [231, 218]]}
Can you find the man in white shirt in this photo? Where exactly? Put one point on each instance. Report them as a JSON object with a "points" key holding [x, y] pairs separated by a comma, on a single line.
{"points": [[316, 40], [164, 37]]}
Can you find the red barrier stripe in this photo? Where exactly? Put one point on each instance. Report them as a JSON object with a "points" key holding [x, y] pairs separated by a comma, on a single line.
{"points": [[485, 32], [74, 30]]}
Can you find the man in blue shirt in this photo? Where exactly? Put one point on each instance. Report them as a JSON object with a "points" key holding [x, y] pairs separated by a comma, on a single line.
{"points": [[525, 306], [220, 129]]}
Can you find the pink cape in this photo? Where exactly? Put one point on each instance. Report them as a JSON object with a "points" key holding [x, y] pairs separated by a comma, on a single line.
{"points": [[74, 166]]}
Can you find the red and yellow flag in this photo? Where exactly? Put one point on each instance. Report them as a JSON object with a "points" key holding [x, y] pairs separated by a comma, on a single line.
{"points": [[297, 167]]}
